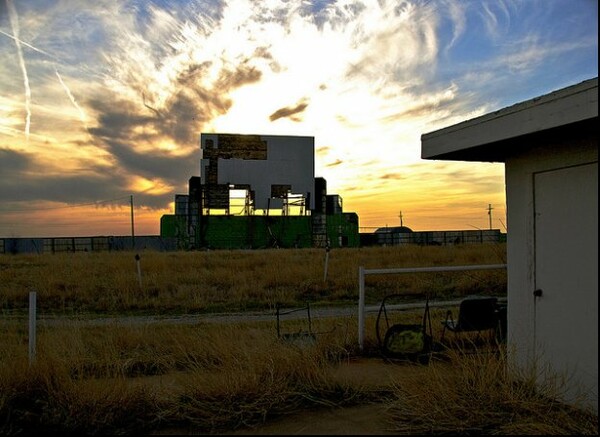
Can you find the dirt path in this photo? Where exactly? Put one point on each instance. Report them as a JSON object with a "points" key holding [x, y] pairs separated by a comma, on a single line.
{"points": [[367, 419], [244, 317], [360, 420]]}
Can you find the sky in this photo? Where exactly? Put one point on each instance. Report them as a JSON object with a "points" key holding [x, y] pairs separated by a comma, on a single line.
{"points": [[102, 103]]}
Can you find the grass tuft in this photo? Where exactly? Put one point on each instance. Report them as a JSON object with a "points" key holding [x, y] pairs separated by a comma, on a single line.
{"points": [[478, 393]]}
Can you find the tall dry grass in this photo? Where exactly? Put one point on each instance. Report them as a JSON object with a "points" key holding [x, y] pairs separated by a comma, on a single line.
{"points": [[123, 379], [185, 282], [131, 379], [479, 393], [218, 378]]}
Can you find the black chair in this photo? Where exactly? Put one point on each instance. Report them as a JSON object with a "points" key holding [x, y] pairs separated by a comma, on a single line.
{"points": [[475, 313]]}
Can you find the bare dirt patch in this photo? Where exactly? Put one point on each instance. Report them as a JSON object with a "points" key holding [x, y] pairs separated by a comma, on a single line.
{"points": [[359, 420], [367, 419]]}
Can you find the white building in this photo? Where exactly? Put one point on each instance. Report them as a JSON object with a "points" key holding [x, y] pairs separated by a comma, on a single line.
{"points": [[550, 149], [269, 167]]}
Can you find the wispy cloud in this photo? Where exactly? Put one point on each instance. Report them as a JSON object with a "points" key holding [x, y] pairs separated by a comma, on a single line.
{"points": [[497, 16], [72, 99]]}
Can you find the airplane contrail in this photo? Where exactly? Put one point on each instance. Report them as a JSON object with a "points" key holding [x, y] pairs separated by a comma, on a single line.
{"points": [[72, 98], [26, 44], [14, 22]]}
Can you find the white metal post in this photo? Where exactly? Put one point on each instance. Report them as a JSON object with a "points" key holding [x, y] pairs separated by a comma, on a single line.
{"points": [[32, 326], [361, 307]]}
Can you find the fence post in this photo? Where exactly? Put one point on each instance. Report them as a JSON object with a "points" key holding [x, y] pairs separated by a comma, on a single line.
{"points": [[32, 326], [361, 307], [326, 262], [139, 269]]}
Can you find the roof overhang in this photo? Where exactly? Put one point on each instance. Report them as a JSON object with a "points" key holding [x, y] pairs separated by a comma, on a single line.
{"points": [[493, 136]]}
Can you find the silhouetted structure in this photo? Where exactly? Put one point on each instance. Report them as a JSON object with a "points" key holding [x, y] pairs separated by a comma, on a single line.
{"points": [[258, 191]]}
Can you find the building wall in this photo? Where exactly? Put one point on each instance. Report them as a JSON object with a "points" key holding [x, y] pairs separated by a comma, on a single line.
{"points": [[342, 230], [557, 331], [176, 227], [256, 232], [259, 231], [260, 161]]}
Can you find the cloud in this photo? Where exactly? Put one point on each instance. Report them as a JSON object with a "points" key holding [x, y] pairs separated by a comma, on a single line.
{"points": [[496, 16], [365, 78], [393, 176], [393, 42], [25, 183], [145, 104], [123, 125], [323, 150], [426, 105], [289, 112], [335, 163], [13, 164], [130, 130]]}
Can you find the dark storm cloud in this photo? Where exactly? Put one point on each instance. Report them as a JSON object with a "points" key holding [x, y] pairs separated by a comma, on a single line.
{"points": [[159, 164], [183, 114], [117, 118], [125, 127], [180, 118], [13, 163], [22, 181], [26, 185], [289, 112]]}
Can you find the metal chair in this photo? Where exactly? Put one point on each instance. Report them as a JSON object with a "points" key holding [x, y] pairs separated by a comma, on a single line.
{"points": [[475, 313], [307, 335], [404, 341]]}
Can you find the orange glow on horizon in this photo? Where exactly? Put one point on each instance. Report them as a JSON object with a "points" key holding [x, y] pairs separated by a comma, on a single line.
{"points": [[125, 114]]}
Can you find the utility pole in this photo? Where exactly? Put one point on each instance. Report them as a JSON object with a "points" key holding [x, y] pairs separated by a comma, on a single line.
{"points": [[490, 214], [132, 227], [401, 224]]}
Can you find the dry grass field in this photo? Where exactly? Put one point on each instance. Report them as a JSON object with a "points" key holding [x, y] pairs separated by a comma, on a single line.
{"points": [[215, 281], [211, 378]]}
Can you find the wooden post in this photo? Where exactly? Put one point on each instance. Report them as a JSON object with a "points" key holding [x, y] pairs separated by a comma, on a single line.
{"points": [[326, 262], [139, 269], [132, 226]]}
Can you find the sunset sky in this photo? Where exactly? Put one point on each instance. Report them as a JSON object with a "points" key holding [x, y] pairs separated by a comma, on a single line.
{"points": [[101, 100]]}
